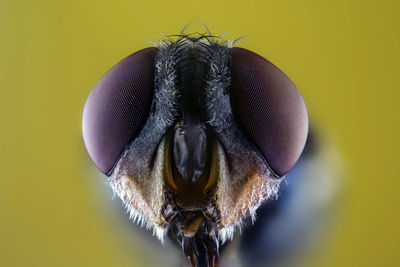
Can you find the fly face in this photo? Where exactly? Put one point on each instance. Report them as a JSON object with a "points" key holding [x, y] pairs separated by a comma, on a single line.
{"points": [[195, 135]]}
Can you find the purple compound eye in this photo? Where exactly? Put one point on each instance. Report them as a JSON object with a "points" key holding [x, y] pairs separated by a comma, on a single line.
{"points": [[117, 108], [269, 108]]}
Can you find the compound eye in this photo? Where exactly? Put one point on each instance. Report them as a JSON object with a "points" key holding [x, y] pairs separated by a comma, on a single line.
{"points": [[269, 109], [117, 108]]}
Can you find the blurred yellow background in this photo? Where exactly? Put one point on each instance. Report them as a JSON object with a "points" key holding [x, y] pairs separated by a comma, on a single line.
{"points": [[55, 209]]}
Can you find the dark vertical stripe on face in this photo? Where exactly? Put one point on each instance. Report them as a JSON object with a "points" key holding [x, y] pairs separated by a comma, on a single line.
{"points": [[192, 69]]}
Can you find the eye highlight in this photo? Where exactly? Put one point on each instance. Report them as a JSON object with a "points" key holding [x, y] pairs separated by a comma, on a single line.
{"points": [[117, 107], [269, 108]]}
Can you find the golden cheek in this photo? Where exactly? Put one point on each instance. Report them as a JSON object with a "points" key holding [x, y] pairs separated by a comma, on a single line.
{"points": [[135, 195], [240, 193], [242, 200]]}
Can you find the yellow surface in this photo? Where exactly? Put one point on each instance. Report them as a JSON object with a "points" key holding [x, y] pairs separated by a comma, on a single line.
{"points": [[343, 55]]}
